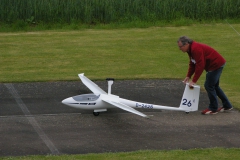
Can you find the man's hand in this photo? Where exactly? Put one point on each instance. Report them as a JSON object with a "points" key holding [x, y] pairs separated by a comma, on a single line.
{"points": [[191, 84], [186, 80]]}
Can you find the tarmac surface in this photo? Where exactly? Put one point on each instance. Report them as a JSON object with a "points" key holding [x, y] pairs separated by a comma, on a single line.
{"points": [[35, 122]]}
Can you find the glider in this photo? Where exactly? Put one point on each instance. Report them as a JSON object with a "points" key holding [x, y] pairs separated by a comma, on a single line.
{"points": [[100, 101]]}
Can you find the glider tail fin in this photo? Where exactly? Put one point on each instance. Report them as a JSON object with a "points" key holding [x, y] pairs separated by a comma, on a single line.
{"points": [[190, 98]]}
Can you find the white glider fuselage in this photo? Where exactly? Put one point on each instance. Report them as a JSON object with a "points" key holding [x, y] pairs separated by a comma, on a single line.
{"points": [[95, 102], [100, 101]]}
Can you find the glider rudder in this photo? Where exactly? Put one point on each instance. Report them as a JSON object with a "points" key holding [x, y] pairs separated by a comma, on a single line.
{"points": [[190, 98]]}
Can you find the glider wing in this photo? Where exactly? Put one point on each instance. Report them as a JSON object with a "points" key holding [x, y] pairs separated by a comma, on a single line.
{"points": [[125, 107], [91, 85]]}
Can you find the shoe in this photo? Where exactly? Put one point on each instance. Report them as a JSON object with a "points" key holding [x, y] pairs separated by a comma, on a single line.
{"points": [[208, 111], [222, 109]]}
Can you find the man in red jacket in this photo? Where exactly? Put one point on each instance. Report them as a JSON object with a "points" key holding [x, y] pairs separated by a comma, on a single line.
{"points": [[203, 57]]}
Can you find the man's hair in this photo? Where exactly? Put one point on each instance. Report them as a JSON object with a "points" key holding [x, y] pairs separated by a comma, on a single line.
{"points": [[185, 40]]}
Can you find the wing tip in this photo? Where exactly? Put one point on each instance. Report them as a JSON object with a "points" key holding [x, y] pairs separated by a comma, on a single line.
{"points": [[81, 74], [148, 116]]}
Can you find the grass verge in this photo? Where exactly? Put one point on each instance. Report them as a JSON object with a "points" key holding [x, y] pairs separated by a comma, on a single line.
{"points": [[192, 154]]}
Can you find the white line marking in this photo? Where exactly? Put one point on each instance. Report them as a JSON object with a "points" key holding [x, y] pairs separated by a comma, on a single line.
{"points": [[32, 120], [233, 28], [37, 115]]}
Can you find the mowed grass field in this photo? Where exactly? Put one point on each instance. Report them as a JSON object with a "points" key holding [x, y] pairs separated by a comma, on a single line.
{"points": [[146, 53], [193, 154]]}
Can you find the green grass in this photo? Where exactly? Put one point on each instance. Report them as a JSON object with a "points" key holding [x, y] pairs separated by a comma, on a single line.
{"points": [[25, 26], [108, 11], [193, 154]]}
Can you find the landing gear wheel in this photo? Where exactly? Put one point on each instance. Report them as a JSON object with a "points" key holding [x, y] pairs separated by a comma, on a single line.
{"points": [[96, 113]]}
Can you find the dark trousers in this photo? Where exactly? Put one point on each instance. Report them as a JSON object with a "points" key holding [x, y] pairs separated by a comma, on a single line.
{"points": [[214, 91]]}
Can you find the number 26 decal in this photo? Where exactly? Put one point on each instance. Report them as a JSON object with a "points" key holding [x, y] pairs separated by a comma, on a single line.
{"points": [[186, 102]]}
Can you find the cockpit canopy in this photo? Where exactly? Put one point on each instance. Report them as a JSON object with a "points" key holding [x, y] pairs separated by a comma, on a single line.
{"points": [[86, 97]]}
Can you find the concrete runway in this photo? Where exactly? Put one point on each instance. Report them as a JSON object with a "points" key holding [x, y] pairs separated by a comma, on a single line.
{"points": [[34, 122]]}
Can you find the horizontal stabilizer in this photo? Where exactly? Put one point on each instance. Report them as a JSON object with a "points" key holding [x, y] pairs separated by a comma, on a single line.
{"points": [[126, 108], [91, 85]]}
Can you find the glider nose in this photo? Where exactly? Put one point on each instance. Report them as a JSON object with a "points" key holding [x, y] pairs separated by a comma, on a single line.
{"points": [[67, 101]]}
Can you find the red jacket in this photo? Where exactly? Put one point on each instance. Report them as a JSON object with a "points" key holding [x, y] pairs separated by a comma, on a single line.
{"points": [[203, 57]]}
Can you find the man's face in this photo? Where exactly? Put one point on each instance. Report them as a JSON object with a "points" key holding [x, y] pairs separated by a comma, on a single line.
{"points": [[183, 48]]}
